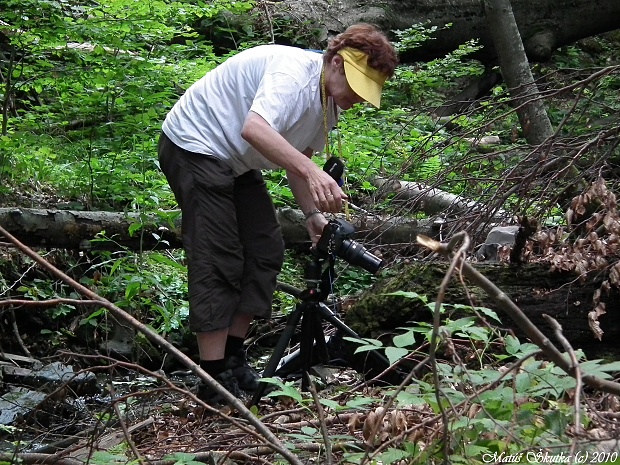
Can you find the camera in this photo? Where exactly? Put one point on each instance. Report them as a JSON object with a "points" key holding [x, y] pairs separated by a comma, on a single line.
{"points": [[335, 240]]}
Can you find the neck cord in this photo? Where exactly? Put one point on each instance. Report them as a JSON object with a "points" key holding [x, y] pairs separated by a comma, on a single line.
{"points": [[324, 105], [339, 140]]}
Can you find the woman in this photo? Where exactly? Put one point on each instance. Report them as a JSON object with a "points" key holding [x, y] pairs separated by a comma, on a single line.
{"points": [[268, 107]]}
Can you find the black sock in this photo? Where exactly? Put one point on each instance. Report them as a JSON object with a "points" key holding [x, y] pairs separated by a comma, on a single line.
{"points": [[234, 345], [213, 367]]}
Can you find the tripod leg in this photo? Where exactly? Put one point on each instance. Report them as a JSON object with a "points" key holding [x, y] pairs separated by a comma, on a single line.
{"points": [[306, 347], [319, 337], [313, 342], [329, 316], [278, 352]]}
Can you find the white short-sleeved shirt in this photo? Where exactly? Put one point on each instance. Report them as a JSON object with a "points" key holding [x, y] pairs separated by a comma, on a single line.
{"points": [[280, 83]]}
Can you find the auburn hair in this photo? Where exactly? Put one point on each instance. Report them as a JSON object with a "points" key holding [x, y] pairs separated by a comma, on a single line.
{"points": [[369, 39]]}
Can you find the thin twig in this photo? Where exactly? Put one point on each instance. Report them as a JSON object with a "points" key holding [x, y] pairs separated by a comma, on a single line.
{"points": [[123, 425], [577, 370], [458, 255], [323, 425], [269, 21], [16, 333]]}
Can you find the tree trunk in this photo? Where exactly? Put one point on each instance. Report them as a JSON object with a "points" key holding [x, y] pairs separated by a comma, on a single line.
{"points": [[516, 72], [533, 288], [544, 25], [87, 230], [428, 199]]}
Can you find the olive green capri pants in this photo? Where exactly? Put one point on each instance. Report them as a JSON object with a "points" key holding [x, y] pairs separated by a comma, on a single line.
{"points": [[231, 237]]}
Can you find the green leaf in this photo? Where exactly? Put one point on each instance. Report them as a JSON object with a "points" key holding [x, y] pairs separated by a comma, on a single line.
{"points": [[488, 312], [359, 402], [394, 354], [183, 458], [366, 343], [392, 455], [331, 404], [358, 340], [105, 458], [407, 398], [408, 295], [512, 344], [132, 290], [159, 258], [404, 340], [287, 390], [366, 348], [595, 368], [477, 333], [611, 367], [135, 226], [254, 410], [309, 431]]}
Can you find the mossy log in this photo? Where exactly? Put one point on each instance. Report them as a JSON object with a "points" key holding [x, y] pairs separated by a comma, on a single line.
{"points": [[534, 288], [80, 230]]}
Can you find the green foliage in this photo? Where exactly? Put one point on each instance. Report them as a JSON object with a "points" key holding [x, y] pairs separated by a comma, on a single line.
{"points": [[428, 82], [101, 75], [414, 36], [286, 389], [110, 458], [152, 287], [182, 458], [492, 408]]}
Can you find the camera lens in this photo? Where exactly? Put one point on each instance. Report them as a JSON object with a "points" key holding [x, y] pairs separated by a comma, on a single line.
{"points": [[357, 255]]}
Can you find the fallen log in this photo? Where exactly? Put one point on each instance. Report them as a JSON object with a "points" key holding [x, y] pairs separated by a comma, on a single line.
{"points": [[534, 288], [424, 197], [100, 230], [433, 201]]}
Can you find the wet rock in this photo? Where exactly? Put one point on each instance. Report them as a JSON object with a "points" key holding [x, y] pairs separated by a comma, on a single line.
{"points": [[497, 237], [51, 377], [18, 403], [121, 344]]}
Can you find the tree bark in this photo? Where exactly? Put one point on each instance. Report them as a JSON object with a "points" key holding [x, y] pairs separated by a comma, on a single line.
{"points": [[88, 230], [426, 198], [516, 72], [544, 25]]}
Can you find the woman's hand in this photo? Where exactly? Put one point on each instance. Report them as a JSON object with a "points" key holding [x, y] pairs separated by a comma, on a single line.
{"points": [[326, 193], [315, 224]]}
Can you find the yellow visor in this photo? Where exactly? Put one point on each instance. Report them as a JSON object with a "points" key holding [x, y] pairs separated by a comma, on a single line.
{"points": [[365, 81]]}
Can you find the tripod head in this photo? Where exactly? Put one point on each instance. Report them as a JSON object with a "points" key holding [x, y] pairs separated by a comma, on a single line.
{"points": [[319, 279], [334, 241]]}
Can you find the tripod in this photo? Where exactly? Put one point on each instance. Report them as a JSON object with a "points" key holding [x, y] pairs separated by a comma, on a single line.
{"points": [[311, 310]]}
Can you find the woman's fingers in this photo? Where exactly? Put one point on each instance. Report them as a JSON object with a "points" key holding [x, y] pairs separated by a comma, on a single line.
{"points": [[327, 194]]}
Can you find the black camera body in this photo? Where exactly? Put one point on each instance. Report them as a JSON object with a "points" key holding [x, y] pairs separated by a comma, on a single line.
{"points": [[335, 240]]}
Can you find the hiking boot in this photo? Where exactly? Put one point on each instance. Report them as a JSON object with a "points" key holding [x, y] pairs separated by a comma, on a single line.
{"points": [[247, 377], [228, 381]]}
